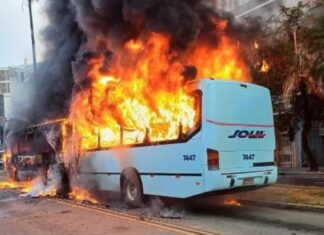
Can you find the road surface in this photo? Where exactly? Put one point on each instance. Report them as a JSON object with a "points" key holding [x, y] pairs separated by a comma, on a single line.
{"points": [[20, 215], [25, 216]]}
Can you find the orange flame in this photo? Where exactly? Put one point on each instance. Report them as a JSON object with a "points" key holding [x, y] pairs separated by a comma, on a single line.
{"points": [[141, 92], [232, 202], [81, 195], [265, 66], [256, 45], [6, 158], [22, 186], [133, 45]]}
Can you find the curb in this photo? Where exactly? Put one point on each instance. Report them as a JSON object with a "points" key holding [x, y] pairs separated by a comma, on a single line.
{"points": [[303, 174], [281, 205]]}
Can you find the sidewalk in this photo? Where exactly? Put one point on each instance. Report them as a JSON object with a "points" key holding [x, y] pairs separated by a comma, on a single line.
{"points": [[299, 189], [307, 198], [302, 177], [300, 171]]}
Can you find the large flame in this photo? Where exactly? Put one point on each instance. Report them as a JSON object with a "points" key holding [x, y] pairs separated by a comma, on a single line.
{"points": [[81, 195], [10, 184], [139, 94]]}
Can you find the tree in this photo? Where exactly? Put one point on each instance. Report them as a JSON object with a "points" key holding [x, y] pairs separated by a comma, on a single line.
{"points": [[292, 47]]}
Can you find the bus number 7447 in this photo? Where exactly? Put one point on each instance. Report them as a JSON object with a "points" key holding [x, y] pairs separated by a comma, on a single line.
{"points": [[187, 157]]}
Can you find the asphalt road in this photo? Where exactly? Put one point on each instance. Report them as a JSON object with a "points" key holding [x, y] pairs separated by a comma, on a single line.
{"points": [[25, 216], [41, 216], [253, 220]]}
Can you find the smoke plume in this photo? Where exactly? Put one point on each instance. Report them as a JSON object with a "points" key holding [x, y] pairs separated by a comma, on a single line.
{"points": [[81, 30], [50, 90]]}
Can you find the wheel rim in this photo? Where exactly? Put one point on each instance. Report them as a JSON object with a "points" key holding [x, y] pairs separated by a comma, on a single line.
{"points": [[131, 191]]}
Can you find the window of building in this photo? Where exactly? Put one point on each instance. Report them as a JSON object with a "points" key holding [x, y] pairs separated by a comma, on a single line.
{"points": [[4, 87], [4, 75], [1, 106], [22, 77]]}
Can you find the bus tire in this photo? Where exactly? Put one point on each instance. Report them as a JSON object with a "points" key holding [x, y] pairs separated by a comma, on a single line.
{"points": [[132, 190]]}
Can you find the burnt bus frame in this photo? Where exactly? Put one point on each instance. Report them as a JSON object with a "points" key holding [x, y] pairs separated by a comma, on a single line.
{"points": [[24, 134]]}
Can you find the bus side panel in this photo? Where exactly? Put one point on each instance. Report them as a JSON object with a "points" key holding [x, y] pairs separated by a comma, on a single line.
{"points": [[177, 168], [105, 177], [173, 186], [106, 182], [174, 170]]}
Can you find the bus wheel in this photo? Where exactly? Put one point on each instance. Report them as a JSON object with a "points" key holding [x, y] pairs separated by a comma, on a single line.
{"points": [[132, 189]]}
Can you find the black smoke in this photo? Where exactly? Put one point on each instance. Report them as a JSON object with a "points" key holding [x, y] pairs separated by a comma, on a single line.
{"points": [[183, 20], [50, 90], [80, 30]]}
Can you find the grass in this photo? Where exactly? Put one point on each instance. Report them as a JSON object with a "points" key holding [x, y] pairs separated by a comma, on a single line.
{"points": [[306, 195]]}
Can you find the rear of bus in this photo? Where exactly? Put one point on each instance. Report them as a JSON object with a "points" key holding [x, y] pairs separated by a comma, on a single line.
{"points": [[238, 135]]}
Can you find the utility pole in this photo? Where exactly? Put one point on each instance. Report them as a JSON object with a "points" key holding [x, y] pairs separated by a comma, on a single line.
{"points": [[32, 34]]}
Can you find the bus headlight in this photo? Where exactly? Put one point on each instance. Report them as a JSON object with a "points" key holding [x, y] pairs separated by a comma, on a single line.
{"points": [[212, 159]]}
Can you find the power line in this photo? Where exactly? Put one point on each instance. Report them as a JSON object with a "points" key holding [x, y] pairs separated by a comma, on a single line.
{"points": [[254, 8]]}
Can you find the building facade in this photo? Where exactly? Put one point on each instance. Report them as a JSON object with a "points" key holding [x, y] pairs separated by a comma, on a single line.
{"points": [[13, 89], [5, 101], [21, 78], [5, 93]]}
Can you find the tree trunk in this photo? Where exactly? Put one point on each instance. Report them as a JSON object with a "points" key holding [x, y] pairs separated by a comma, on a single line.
{"points": [[305, 133]]}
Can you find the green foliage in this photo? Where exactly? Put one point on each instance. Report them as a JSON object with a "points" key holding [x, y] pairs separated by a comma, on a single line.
{"points": [[314, 41], [293, 16], [292, 43]]}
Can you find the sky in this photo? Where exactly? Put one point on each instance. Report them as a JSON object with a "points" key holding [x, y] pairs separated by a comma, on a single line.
{"points": [[15, 36], [15, 39]]}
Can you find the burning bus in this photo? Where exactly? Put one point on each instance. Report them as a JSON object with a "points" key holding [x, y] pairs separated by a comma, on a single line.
{"points": [[31, 151], [140, 118], [228, 145]]}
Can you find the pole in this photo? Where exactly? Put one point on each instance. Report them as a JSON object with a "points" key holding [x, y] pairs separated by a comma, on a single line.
{"points": [[32, 34]]}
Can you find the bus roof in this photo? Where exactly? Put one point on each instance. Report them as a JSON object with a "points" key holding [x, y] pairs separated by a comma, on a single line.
{"points": [[200, 83]]}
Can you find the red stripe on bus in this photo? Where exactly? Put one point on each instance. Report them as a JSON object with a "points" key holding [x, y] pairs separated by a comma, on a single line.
{"points": [[237, 124]]}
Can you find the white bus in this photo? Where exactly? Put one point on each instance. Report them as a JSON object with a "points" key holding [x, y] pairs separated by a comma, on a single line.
{"points": [[231, 146]]}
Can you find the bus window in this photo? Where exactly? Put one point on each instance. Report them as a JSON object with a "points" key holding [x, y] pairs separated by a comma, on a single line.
{"points": [[188, 131], [14, 145], [159, 132], [90, 140], [197, 119], [22, 145], [109, 138], [132, 136], [41, 143]]}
